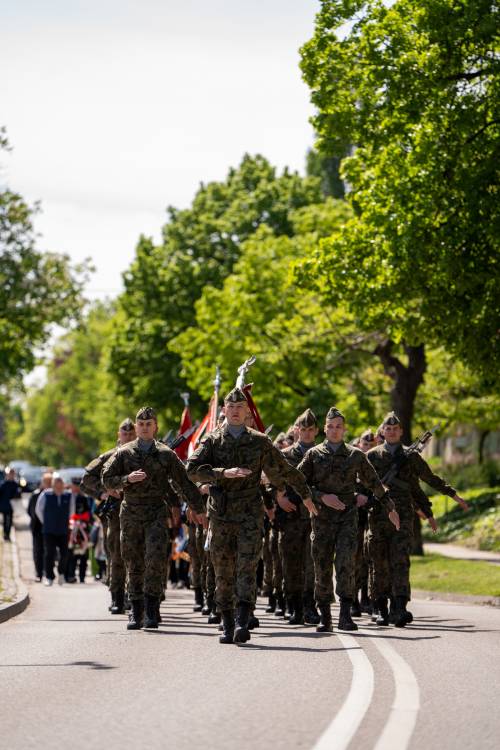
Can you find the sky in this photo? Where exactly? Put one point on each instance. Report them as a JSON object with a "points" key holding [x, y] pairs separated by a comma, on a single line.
{"points": [[116, 110]]}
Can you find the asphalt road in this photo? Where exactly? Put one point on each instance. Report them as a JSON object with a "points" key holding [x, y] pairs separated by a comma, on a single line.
{"points": [[72, 676]]}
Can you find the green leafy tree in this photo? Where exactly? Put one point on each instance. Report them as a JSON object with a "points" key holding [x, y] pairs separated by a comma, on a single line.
{"points": [[200, 247], [37, 289], [415, 87]]}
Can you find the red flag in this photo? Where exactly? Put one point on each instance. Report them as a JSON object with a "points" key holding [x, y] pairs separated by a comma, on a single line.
{"points": [[186, 423], [197, 436], [247, 390]]}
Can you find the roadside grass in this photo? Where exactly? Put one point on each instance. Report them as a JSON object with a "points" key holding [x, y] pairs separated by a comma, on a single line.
{"points": [[478, 528], [445, 574]]}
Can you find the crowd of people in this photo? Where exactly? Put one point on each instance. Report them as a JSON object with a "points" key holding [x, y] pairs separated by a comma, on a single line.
{"points": [[241, 516]]}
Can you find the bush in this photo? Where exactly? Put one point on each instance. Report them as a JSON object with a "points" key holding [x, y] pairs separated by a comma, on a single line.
{"points": [[464, 476]]}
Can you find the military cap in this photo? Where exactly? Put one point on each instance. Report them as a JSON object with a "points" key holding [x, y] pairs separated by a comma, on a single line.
{"points": [[368, 436], [306, 419], [235, 396], [146, 412], [390, 418], [127, 425], [333, 412]]}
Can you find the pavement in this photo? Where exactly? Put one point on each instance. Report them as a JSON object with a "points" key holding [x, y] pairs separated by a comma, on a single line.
{"points": [[461, 553], [73, 676]]}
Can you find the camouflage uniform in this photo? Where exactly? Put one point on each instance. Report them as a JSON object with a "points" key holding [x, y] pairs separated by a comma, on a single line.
{"points": [[390, 549], [235, 506], [295, 538], [334, 532], [92, 484], [143, 514]]}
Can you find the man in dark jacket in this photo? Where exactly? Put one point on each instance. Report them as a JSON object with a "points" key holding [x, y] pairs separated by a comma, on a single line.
{"points": [[36, 526], [9, 490], [54, 508]]}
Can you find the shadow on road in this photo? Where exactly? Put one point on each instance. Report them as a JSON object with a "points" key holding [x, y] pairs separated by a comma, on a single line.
{"points": [[89, 664]]}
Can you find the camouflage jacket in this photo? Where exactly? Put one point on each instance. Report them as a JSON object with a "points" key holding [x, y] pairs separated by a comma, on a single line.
{"points": [[294, 455], [232, 499], [163, 469], [339, 472], [413, 467], [92, 482]]}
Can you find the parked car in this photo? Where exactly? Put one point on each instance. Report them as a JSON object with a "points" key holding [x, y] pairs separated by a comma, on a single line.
{"points": [[30, 477], [18, 466], [69, 473]]}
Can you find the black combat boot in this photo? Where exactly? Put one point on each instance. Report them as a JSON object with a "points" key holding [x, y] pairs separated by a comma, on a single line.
{"points": [[241, 632], [198, 599], [207, 608], [128, 603], [253, 622], [280, 606], [271, 607], [118, 602], [214, 617], [311, 614], [325, 625], [345, 620], [383, 611], [400, 613], [356, 608], [136, 616], [297, 616], [227, 627], [366, 605], [151, 614]]}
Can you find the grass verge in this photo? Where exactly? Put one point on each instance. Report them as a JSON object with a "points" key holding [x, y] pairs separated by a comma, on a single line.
{"points": [[478, 528], [445, 574]]}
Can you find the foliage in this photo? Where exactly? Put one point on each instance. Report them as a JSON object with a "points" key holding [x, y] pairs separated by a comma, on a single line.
{"points": [[415, 87], [200, 246], [447, 575], [75, 415], [37, 289], [478, 528]]}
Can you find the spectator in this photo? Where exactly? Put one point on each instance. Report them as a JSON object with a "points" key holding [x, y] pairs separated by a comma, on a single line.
{"points": [[36, 526], [79, 524], [9, 489], [54, 508]]}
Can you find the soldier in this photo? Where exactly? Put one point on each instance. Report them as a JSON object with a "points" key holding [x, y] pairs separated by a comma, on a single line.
{"points": [[295, 532], [92, 485], [390, 552], [231, 459], [142, 469], [332, 469], [364, 443]]}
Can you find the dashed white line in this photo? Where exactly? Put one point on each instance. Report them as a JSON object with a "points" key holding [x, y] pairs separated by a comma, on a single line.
{"points": [[403, 716], [344, 726]]}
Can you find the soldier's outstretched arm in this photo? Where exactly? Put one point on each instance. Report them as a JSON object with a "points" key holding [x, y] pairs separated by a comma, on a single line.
{"points": [[280, 472], [180, 477], [199, 465], [91, 482], [426, 474], [113, 474]]}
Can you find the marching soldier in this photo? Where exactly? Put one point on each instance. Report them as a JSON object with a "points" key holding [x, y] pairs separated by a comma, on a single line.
{"points": [[331, 470], [92, 485], [231, 460], [365, 442], [390, 552], [142, 469]]}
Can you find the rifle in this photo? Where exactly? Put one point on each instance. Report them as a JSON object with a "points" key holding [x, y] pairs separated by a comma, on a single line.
{"points": [[416, 447], [181, 438]]}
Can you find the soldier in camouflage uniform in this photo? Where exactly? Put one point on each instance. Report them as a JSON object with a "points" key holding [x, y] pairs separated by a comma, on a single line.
{"points": [[231, 459], [142, 470], [332, 470], [390, 552], [198, 563], [365, 442], [295, 533], [92, 485]]}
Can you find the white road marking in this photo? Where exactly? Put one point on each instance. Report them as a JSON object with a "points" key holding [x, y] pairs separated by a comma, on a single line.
{"points": [[403, 716], [344, 726]]}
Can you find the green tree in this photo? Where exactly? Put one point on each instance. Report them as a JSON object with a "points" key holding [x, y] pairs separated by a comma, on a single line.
{"points": [[200, 246], [415, 87], [37, 289]]}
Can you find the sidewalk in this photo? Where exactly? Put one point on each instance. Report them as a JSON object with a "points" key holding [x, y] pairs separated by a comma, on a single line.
{"points": [[461, 553], [14, 597]]}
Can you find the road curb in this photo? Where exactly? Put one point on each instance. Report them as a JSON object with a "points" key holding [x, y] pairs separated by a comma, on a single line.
{"points": [[11, 609], [441, 596]]}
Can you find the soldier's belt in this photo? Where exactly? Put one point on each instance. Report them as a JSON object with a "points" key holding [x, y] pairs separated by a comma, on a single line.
{"points": [[247, 494]]}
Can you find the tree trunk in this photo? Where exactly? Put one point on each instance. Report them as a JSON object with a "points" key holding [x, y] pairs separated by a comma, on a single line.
{"points": [[482, 439], [406, 382]]}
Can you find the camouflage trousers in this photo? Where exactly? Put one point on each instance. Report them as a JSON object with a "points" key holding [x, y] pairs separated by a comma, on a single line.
{"points": [[389, 552], [116, 566], [209, 578], [197, 556], [273, 569], [296, 557], [235, 549], [334, 538], [144, 537], [361, 565]]}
